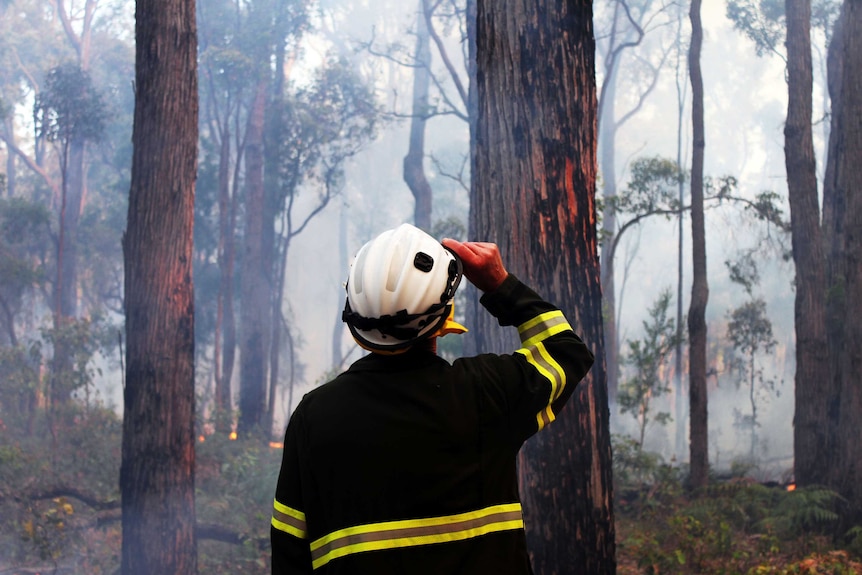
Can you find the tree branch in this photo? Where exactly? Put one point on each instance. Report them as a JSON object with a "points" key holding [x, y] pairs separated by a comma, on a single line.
{"points": [[31, 164], [442, 50]]}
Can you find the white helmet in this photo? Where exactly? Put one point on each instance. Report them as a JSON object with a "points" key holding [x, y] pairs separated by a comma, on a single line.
{"points": [[400, 289]]}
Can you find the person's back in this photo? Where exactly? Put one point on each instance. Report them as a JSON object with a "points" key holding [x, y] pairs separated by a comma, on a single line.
{"points": [[406, 464]]}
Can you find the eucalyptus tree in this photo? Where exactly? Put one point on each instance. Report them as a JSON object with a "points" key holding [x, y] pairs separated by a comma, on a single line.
{"points": [[845, 342], [626, 37], [533, 193], [268, 140], [750, 333], [158, 448], [699, 426], [647, 357]]}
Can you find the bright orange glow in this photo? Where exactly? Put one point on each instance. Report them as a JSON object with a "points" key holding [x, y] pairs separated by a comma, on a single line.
{"points": [[276, 445], [201, 438], [791, 487], [232, 436]]}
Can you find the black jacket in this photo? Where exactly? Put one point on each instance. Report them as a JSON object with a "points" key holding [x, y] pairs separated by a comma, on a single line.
{"points": [[405, 464]]}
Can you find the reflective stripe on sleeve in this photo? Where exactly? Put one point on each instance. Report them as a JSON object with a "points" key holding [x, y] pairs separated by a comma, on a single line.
{"points": [[533, 333], [542, 327], [414, 532], [546, 365], [289, 520]]}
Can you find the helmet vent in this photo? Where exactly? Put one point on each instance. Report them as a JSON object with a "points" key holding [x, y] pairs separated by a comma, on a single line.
{"points": [[359, 264], [423, 262], [395, 271]]}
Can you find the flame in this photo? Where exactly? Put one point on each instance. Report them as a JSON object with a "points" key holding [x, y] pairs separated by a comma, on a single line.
{"points": [[201, 438], [232, 436], [791, 487], [276, 445]]}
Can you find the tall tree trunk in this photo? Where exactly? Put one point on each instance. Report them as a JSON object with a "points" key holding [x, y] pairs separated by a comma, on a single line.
{"points": [[158, 454], [225, 322], [338, 325], [679, 389], [414, 161], [848, 267], [810, 440], [11, 170], [74, 204], [607, 147], [256, 289], [699, 431], [832, 228], [534, 194], [66, 284]]}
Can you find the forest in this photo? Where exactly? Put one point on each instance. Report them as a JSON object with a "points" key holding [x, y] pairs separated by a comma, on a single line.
{"points": [[183, 185]]}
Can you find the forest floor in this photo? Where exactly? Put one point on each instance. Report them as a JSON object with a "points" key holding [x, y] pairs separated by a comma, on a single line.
{"points": [[59, 511]]}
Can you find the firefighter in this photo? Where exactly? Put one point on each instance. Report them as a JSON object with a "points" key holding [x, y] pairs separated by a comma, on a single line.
{"points": [[405, 463]]}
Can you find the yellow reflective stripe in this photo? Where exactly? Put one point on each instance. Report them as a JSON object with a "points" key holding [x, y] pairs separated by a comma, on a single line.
{"points": [[539, 357], [289, 520], [413, 532], [542, 327], [545, 417]]}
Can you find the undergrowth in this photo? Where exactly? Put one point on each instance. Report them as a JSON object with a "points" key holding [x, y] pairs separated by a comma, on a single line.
{"points": [[735, 526]]}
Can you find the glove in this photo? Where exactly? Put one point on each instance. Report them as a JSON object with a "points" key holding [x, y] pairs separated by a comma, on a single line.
{"points": [[482, 263]]}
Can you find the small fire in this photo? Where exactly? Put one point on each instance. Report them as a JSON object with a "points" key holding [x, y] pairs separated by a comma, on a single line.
{"points": [[232, 436], [276, 445], [791, 487], [201, 438]]}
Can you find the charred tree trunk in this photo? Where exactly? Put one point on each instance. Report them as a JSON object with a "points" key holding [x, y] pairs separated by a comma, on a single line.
{"points": [[848, 267], [534, 194], [414, 161], [810, 441], [256, 288], [699, 431], [158, 458], [832, 228]]}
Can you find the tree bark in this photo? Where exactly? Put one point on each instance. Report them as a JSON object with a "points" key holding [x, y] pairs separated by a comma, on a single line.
{"points": [[811, 442], [225, 321], [699, 430], [533, 193], [256, 289], [158, 453], [848, 265]]}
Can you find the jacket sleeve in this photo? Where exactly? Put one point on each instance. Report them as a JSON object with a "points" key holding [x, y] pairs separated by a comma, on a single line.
{"points": [[291, 553], [532, 385]]}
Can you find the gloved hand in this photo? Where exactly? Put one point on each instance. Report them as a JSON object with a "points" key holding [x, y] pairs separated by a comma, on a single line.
{"points": [[482, 263]]}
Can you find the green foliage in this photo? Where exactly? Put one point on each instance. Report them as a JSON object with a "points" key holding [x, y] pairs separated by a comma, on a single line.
{"points": [[744, 271], [750, 332], [853, 537], [761, 21], [82, 338], [749, 328], [19, 372], [653, 186], [647, 358], [69, 107], [732, 528], [24, 235], [321, 126]]}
